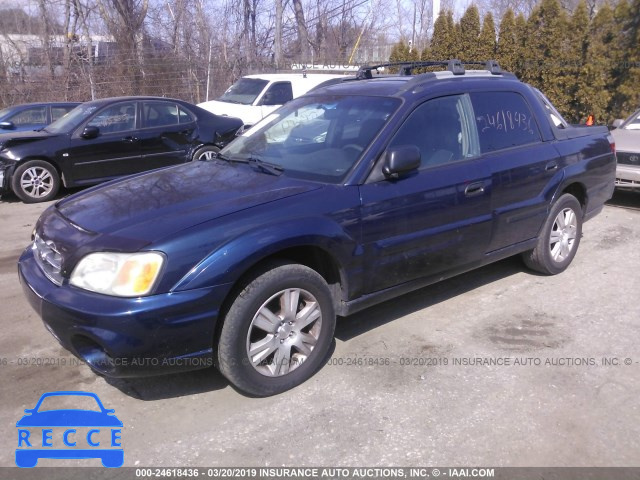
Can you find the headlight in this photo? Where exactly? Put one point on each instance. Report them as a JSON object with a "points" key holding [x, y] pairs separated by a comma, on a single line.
{"points": [[119, 274]]}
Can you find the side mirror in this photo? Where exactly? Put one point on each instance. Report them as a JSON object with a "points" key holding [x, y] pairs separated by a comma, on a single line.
{"points": [[617, 122], [7, 125], [399, 160], [90, 132]]}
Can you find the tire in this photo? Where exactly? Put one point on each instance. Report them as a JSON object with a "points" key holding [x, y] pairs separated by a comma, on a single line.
{"points": [[287, 345], [208, 152], [559, 239], [35, 181]]}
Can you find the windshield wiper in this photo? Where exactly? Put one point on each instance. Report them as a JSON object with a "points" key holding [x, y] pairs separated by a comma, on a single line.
{"points": [[267, 167], [272, 168]]}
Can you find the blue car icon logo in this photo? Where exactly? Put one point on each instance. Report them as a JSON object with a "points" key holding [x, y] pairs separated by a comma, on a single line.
{"points": [[69, 433]]}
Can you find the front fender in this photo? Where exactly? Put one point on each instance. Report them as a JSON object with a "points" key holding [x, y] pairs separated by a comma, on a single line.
{"points": [[227, 263]]}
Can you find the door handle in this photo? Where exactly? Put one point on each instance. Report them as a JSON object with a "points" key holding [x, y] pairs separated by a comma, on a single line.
{"points": [[130, 139], [473, 189], [551, 166]]}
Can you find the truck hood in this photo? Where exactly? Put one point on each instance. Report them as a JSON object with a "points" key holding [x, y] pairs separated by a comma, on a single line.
{"points": [[13, 139], [249, 114], [149, 206], [626, 140]]}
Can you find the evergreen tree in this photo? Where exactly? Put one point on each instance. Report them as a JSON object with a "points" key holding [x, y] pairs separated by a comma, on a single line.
{"points": [[545, 53], [507, 49], [399, 53], [441, 39], [593, 92], [573, 77], [455, 37], [521, 35], [469, 34], [487, 39], [629, 89]]}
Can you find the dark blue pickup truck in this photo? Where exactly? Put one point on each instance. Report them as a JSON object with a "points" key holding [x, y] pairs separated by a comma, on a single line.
{"points": [[343, 198]]}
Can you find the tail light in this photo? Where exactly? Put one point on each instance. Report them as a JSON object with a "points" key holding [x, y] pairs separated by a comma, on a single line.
{"points": [[612, 143]]}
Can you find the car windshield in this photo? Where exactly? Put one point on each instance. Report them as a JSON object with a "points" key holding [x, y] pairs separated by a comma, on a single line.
{"points": [[317, 138], [72, 119], [67, 402], [244, 91], [633, 123], [4, 112]]}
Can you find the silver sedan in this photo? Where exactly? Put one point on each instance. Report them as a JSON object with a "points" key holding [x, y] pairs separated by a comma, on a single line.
{"points": [[627, 138]]}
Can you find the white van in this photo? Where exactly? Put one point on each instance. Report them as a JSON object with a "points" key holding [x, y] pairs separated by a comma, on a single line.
{"points": [[253, 97]]}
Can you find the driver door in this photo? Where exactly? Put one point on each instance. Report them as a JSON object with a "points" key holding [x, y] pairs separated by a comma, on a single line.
{"points": [[114, 152], [438, 218]]}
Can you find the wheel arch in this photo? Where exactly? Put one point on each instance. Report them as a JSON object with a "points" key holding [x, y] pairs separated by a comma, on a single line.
{"points": [[579, 191], [312, 256]]}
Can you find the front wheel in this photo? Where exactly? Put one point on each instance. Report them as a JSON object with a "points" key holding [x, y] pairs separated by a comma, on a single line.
{"points": [[35, 181], [277, 331], [559, 239], [207, 152]]}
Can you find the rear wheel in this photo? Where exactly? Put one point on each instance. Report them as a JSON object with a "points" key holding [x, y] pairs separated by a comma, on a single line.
{"points": [[35, 181], [208, 152], [277, 331], [560, 237]]}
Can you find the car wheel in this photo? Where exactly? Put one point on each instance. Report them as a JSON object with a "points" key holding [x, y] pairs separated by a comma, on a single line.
{"points": [[208, 152], [560, 237], [35, 181], [277, 331]]}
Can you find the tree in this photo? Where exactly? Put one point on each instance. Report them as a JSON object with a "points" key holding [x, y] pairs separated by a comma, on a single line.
{"points": [[573, 78], [487, 39], [441, 40], [470, 33], [125, 21], [507, 49], [594, 91], [544, 52]]}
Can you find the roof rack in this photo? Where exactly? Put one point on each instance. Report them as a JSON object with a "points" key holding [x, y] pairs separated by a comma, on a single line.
{"points": [[455, 66]]}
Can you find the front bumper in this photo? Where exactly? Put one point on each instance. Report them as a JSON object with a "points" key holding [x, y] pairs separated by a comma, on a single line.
{"points": [[124, 337], [627, 176]]}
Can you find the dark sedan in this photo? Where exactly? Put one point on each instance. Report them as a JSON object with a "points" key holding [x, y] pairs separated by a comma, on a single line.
{"points": [[109, 138], [33, 116]]}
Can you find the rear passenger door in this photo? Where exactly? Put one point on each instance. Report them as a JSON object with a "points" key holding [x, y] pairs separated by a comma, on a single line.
{"points": [[167, 134], [437, 219], [522, 166]]}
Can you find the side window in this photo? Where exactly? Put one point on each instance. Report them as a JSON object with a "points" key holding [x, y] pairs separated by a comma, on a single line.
{"points": [[278, 94], [503, 120], [57, 112], [30, 116], [159, 114], [185, 116], [116, 118], [443, 129]]}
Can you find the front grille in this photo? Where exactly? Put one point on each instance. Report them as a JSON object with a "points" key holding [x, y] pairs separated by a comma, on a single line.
{"points": [[48, 259], [626, 158]]}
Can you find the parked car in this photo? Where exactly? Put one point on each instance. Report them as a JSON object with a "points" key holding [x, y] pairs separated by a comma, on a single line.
{"points": [[106, 139], [627, 137], [349, 196], [253, 97], [33, 116]]}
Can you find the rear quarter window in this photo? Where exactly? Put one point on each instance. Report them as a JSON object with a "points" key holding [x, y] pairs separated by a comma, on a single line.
{"points": [[504, 120]]}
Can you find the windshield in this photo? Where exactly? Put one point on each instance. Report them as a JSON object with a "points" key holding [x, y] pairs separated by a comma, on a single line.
{"points": [[72, 119], [633, 122], [244, 91], [316, 137], [65, 402], [4, 112]]}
